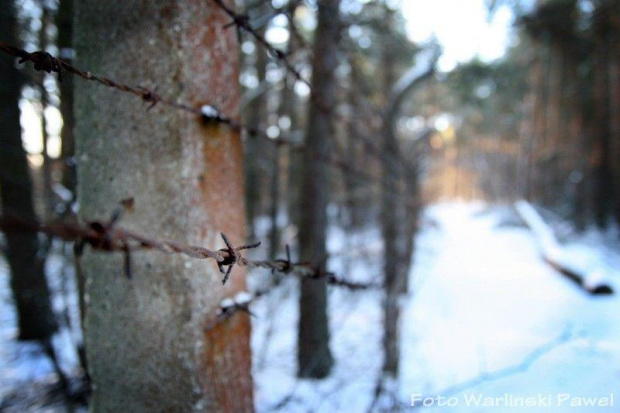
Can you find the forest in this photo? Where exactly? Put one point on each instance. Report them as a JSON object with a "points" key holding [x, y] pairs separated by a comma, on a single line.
{"points": [[309, 205]]}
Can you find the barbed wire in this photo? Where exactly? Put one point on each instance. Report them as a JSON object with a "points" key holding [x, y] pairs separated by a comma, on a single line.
{"points": [[106, 236], [242, 22], [43, 61]]}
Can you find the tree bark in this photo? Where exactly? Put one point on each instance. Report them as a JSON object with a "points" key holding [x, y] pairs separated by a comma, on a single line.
{"points": [[256, 154], [48, 198], [36, 319], [604, 193], [314, 356], [354, 155], [391, 219], [614, 102], [64, 22], [399, 206], [150, 340]]}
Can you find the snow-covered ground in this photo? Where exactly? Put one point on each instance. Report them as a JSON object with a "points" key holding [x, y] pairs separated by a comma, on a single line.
{"points": [[27, 375], [486, 317]]}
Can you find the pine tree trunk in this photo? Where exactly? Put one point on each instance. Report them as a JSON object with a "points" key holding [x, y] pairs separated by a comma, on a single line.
{"points": [[149, 340], [274, 195], [256, 155], [604, 192], [48, 198], [64, 23], [614, 100], [36, 320], [354, 155], [391, 219], [399, 207], [314, 357]]}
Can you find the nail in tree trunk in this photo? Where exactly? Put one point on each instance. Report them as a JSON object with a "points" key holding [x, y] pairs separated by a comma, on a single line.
{"points": [[149, 340], [31, 294], [314, 356]]}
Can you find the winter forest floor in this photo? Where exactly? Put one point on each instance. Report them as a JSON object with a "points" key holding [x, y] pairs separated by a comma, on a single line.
{"points": [[485, 317]]}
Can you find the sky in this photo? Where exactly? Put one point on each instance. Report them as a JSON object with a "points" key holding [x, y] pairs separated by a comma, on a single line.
{"points": [[462, 27]]}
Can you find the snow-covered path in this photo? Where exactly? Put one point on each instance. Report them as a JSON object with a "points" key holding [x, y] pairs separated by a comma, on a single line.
{"points": [[486, 317], [486, 304]]}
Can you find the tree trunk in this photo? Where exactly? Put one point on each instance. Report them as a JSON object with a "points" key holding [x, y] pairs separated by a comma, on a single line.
{"points": [[391, 220], [604, 194], [149, 339], [64, 23], [314, 357], [274, 192], [256, 153], [36, 319], [614, 100], [48, 198], [355, 205], [399, 207]]}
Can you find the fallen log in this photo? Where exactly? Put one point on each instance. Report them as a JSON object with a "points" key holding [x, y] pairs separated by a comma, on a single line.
{"points": [[593, 280]]}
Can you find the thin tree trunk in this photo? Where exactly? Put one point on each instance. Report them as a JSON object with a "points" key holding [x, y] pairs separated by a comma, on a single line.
{"points": [[614, 100], [48, 199], [36, 319], [65, 45], [256, 155], [274, 191], [150, 340], [399, 208], [604, 184], [314, 356], [354, 155], [391, 219]]}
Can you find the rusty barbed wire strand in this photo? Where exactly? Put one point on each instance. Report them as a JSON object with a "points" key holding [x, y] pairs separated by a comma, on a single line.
{"points": [[44, 61], [242, 22], [106, 236], [242, 301]]}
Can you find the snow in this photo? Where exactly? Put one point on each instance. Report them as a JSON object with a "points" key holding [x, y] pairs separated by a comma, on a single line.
{"points": [[24, 365], [486, 316]]}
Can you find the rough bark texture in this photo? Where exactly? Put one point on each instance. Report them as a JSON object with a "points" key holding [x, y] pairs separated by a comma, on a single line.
{"points": [[314, 357], [148, 341], [30, 291]]}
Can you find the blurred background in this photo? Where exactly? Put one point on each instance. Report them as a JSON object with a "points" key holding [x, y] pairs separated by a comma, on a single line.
{"points": [[469, 166]]}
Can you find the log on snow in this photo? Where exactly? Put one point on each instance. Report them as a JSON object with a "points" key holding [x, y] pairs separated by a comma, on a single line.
{"points": [[593, 280]]}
